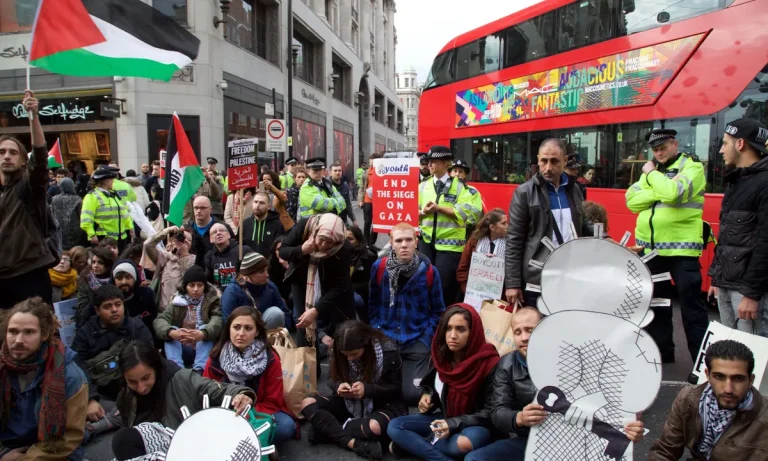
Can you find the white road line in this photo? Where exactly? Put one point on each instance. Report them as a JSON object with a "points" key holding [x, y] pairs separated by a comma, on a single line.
{"points": [[675, 383]]}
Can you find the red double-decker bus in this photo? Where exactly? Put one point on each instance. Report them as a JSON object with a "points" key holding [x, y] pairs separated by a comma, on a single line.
{"points": [[599, 74]]}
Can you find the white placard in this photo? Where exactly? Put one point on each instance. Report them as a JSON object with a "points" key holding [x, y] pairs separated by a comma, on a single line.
{"points": [[276, 135], [486, 279], [65, 313], [269, 109], [14, 51]]}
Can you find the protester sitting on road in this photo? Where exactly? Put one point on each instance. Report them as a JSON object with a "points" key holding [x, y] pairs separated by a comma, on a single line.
{"points": [[63, 280], [78, 257], [361, 260], [292, 193], [488, 239], [201, 229], [192, 321], [254, 289], [139, 301], [244, 356], [453, 405], [405, 303], [365, 392], [43, 418], [154, 390], [318, 255], [67, 207], [596, 213], [134, 251], [723, 419], [97, 344], [263, 226], [223, 261], [110, 244], [99, 273], [170, 263], [232, 208]]}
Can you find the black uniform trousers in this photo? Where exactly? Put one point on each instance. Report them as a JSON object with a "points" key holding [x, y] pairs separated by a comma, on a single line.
{"points": [[446, 263]]}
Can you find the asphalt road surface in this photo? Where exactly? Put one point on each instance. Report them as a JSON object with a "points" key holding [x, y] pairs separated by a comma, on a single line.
{"points": [[674, 378]]}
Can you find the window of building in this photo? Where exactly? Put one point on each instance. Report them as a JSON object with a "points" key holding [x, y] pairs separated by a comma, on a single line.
{"points": [[309, 62], [249, 23], [378, 107], [177, 9], [391, 118], [406, 82], [17, 15], [343, 83]]}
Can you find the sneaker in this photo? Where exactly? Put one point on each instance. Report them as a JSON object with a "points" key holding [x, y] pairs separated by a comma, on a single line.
{"points": [[368, 449]]}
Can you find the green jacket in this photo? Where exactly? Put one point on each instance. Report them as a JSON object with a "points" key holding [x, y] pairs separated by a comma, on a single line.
{"points": [[105, 215], [450, 234], [286, 181], [359, 174], [475, 205], [317, 198], [173, 317], [670, 204], [124, 191]]}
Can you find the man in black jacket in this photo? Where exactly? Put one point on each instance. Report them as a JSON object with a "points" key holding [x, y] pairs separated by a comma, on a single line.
{"points": [[139, 301], [261, 229], [201, 228], [98, 344], [740, 268], [222, 263]]}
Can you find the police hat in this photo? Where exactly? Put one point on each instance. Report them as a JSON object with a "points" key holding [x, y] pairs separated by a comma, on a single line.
{"points": [[659, 136], [103, 172], [423, 158], [460, 164], [212, 160], [573, 162], [291, 161], [440, 153], [317, 163]]}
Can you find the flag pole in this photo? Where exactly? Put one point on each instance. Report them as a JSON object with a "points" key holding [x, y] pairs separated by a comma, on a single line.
{"points": [[240, 221], [30, 116]]}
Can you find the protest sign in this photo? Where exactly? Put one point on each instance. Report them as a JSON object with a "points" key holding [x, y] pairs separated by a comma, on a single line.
{"points": [[65, 313], [395, 188], [242, 164], [486, 279]]}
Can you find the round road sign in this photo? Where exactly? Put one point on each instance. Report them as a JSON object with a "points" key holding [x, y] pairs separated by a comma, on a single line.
{"points": [[276, 129]]}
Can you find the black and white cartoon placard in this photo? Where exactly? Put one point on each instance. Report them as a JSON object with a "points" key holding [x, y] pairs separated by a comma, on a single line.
{"points": [[594, 365]]}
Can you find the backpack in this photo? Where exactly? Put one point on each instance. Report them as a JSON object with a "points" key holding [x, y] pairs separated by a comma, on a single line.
{"points": [[383, 266]]}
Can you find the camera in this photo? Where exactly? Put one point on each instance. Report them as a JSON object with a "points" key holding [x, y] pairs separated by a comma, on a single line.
{"points": [[180, 236]]}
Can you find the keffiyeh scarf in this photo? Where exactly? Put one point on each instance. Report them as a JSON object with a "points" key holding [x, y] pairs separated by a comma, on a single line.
{"points": [[197, 305], [241, 367], [484, 247], [364, 407], [714, 420], [96, 282], [395, 269]]}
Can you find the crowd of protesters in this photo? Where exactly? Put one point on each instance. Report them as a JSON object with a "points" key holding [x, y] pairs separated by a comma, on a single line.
{"points": [[167, 315]]}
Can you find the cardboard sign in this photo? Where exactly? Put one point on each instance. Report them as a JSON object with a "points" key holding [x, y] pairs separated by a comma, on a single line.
{"points": [[242, 164], [65, 313], [395, 189], [497, 324], [486, 279]]}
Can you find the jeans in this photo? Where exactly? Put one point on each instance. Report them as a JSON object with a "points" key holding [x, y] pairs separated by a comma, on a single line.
{"points": [[174, 351], [285, 427], [446, 263], [362, 309], [500, 450], [415, 359], [273, 318], [413, 434], [728, 305]]}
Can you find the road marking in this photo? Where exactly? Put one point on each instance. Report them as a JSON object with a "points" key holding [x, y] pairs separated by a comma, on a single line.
{"points": [[675, 383]]}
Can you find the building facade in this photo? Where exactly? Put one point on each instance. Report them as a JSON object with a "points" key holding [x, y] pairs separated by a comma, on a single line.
{"points": [[343, 56], [409, 92]]}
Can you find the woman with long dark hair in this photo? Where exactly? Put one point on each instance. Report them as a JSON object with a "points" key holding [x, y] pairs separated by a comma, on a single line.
{"points": [[244, 356], [91, 279], [488, 239], [361, 259], [452, 407], [154, 390], [366, 392]]}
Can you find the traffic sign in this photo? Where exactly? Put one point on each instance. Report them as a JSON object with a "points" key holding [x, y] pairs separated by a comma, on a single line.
{"points": [[276, 136]]}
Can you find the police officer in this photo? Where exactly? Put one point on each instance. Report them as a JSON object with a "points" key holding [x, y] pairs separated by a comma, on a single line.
{"points": [[120, 187], [424, 163], [461, 170], [359, 174], [445, 205], [103, 214], [669, 200], [286, 179], [318, 195]]}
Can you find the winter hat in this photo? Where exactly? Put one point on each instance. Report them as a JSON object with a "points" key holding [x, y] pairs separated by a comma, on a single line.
{"points": [[193, 274], [126, 267], [252, 263]]}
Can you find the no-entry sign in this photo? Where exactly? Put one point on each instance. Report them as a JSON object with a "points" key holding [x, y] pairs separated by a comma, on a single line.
{"points": [[242, 164], [276, 135]]}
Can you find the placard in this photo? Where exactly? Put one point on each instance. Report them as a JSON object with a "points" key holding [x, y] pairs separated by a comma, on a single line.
{"points": [[65, 313], [486, 279], [395, 188], [276, 136], [242, 164]]}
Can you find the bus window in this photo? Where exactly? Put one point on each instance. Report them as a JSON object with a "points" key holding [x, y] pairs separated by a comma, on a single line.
{"points": [[530, 40], [442, 71], [478, 57], [585, 23], [648, 14]]}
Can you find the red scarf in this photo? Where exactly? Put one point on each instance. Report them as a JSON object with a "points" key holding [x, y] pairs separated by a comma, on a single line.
{"points": [[464, 379], [52, 419]]}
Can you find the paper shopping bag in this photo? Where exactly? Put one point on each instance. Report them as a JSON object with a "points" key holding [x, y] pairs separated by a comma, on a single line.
{"points": [[280, 337], [757, 344], [299, 373], [497, 325]]}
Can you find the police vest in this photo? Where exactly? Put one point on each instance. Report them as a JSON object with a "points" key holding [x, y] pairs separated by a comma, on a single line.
{"points": [[286, 181], [450, 234], [475, 205], [104, 216], [124, 191], [314, 199]]}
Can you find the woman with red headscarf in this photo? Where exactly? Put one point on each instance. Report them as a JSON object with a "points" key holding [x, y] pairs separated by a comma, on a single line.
{"points": [[453, 419]]}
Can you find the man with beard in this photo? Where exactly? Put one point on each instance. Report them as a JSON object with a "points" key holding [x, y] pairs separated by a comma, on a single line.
{"points": [[261, 229], [318, 195], [223, 261], [139, 301], [201, 228], [341, 185], [98, 344], [45, 393], [424, 166]]}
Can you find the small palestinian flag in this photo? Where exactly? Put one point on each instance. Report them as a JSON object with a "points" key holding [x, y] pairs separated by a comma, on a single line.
{"points": [[183, 175], [54, 157], [104, 38]]}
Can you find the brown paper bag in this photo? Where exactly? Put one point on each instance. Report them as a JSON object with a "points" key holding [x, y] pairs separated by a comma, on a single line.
{"points": [[497, 325], [299, 370]]}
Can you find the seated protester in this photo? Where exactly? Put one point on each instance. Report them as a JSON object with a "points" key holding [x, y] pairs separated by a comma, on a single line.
{"points": [[97, 344], [170, 263], [154, 389], [318, 255], [453, 403], [44, 393], [201, 225], [223, 261], [63, 280], [488, 239], [99, 273], [112, 245], [139, 301], [253, 288], [596, 213], [134, 251], [723, 419], [365, 392], [244, 356], [263, 226], [78, 257], [192, 321], [512, 407], [277, 268], [361, 259], [406, 302]]}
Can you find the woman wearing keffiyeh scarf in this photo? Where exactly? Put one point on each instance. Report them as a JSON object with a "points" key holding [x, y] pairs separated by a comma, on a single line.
{"points": [[488, 239], [366, 378]]}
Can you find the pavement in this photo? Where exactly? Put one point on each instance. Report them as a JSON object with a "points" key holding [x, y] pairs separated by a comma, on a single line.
{"points": [[674, 377]]}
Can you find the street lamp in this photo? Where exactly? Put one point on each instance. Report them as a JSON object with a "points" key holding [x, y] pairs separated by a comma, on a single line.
{"points": [[295, 55], [224, 5]]}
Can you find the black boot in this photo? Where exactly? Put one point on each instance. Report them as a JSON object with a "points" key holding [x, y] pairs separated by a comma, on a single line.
{"points": [[368, 449]]}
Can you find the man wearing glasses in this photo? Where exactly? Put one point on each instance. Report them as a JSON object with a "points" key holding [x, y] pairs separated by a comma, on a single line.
{"points": [[201, 228]]}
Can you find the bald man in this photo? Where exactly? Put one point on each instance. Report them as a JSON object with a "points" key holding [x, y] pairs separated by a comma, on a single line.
{"points": [[200, 226]]}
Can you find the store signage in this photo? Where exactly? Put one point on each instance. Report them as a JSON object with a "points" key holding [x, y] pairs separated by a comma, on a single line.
{"points": [[108, 109], [310, 96], [632, 78], [394, 191], [276, 137], [242, 164], [14, 51], [63, 110]]}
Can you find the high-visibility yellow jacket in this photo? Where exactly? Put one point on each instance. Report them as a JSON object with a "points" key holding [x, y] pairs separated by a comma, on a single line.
{"points": [[103, 215], [450, 234], [359, 173], [475, 205], [670, 203], [124, 191], [286, 181], [315, 198]]}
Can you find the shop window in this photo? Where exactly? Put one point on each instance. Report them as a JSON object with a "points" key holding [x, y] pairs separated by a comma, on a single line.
{"points": [[308, 140], [17, 15], [176, 9]]}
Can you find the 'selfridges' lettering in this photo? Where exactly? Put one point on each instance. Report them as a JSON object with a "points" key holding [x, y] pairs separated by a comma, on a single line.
{"points": [[60, 110]]}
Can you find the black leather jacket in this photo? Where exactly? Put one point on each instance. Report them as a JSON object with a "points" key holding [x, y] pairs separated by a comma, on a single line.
{"points": [[511, 391]]}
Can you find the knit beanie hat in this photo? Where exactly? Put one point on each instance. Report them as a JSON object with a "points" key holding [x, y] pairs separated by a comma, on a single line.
{"points": [[252, 263], [193, 274], [126, 267]]}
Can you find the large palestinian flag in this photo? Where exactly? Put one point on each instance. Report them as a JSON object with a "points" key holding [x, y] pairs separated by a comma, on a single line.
{"points": [[106, 38], [183, 175]]}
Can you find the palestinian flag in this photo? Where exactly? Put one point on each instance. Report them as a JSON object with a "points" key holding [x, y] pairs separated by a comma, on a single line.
{"points": [[104, 38], [54, 157], [183, 175]]}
